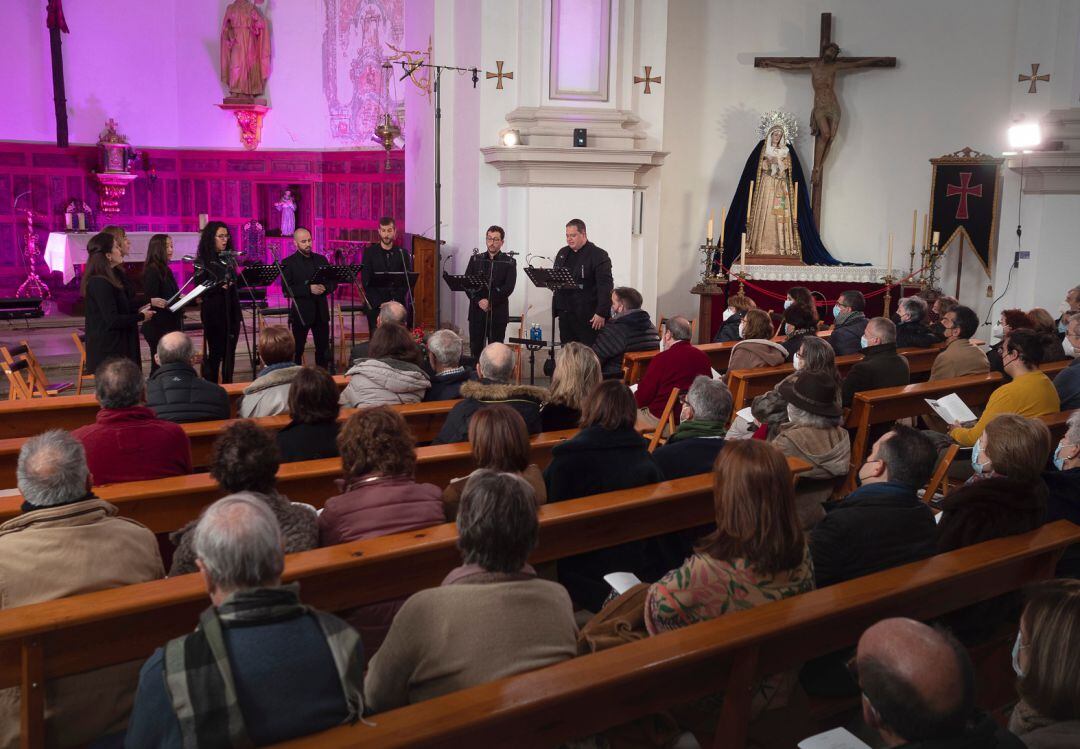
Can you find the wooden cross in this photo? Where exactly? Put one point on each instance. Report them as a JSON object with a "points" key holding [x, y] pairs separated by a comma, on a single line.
{"points": [[825, 117], [1034, 78], [56, 24], [500, 75], [648, 80]]}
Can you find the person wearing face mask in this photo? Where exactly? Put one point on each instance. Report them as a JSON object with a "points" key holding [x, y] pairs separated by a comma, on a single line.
{"points": [[799, 322], [1009, 320], [676, 366], [1063, 485], [1070, 306], [1046, 659], [1006, 497], [814, 356], [1029, 393], [693, 447], [801, 296], [1067, 381], [629, 329], [755, 349], [959, 358], [913, 330], [849, 323], [881, 366], [735, 313]]}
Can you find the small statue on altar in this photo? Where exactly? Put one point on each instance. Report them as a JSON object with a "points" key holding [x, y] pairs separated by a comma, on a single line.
{"points": [[771, 205], [287, 207], [245, 49]]}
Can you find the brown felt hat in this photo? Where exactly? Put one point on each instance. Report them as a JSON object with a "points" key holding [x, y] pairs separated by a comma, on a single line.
{"points": [[814, 392]]}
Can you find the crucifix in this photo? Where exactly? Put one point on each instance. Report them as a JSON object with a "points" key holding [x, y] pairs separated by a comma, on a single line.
{"points": [[825, 117], [55, 22]]}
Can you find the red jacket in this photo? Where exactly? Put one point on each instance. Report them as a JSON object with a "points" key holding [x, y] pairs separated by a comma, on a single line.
{"points": [[133, 444], [674, 368]]}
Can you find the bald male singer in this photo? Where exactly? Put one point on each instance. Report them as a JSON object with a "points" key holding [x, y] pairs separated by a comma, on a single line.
{"points": [[310, 310]]}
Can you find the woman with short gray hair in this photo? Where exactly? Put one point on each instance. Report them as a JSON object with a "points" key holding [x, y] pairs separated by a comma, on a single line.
{"points": [[506, 619]]}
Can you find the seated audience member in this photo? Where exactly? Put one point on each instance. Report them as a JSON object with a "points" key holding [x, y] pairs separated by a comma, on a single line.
{"points": [[815, 356], [268, 394], [67, 542], [799, 321], [693, 448], [175, 392], [960, 357], [881, 366], [511, 620], [576, 375], [261, 667], [1030, 393], [606, 455], [391, 374], [444, 356], [918, 690], [380, 494], [1005, 497], [849, 322], [499, 442], [1010, 320], [1069, 307], [245, 459], [800, 296], [1067, 381], [1046, 659], [1042, 322], [629, 329], [813, 433], [495, 368], [938, 308], [127, 442], [883, 523], [392, 312], [914, 328], [738, 306], [313, 428], [1063, 484], [756, 350], [676, 366], [757, 554]]}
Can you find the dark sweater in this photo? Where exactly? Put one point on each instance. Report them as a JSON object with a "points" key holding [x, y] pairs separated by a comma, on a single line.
{"points": [[308, 441], [631, 331], [876, 527], [916, 335], [729, 329], [447, 385], [176, 393], [846, 337], [687, 457], [881, 367]]}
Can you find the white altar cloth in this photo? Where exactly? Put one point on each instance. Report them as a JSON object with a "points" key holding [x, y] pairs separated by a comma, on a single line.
{"points": [[818, 273], [65, 250]]}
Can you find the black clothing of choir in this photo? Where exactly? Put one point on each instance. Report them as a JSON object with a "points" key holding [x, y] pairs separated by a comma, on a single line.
{"points": [[378, 260], [591, 268], [220, 314], [161, 284], [501, 271], [112, 324], [296, 272]]}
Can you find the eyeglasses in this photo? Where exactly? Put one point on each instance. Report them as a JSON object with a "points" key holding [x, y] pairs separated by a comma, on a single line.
{"points": [[221, 236]]}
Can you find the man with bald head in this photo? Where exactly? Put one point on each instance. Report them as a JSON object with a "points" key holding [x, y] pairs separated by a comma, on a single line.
{"points": [[391, 311], [309, 309], [175, 391], [676, 366], [495, 369], [918, 690]]}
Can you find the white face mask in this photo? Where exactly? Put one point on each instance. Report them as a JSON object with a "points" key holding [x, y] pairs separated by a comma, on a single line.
{"points": [[996, 332], [788, 303], [742, 331], [1016, 648], [796, 360], [728, 313], [1070, 350]]}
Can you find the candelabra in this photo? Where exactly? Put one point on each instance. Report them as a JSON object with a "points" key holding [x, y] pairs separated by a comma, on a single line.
{"points": [[888, 279], [33, 287], [930, 258], [709, 253]]}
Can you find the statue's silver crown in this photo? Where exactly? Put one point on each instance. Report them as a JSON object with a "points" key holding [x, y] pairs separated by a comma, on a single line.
{"points": [[785, 120]]}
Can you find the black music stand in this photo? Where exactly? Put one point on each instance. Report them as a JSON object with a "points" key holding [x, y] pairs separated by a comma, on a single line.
{"points": [[555, 279], [398, 280], [332, 276], [257, 276]]}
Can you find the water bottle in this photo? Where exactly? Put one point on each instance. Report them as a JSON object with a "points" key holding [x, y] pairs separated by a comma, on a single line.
{"points": [[536, 333]]}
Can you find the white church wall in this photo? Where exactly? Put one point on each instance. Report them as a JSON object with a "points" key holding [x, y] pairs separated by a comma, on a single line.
{"points": [[953, 87]]}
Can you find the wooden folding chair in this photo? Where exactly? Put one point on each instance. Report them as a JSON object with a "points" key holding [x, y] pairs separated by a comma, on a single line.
{"points": [[941, 474], [667, 421], [82, 376], [18, 376], [519, 350], [39, 381]]}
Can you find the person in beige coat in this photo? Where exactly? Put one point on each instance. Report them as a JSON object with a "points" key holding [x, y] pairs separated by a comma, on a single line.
{"points": [[755, 349], [392, 373], [960, 357], [502, 618], [268, 394], [813, 433], [67, 542]]}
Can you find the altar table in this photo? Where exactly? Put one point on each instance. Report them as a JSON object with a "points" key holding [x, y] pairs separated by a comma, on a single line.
{"points": [[65, 250]]}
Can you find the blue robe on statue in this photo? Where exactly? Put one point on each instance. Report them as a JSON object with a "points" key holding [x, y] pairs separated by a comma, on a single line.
{"points": [[813, 251]]}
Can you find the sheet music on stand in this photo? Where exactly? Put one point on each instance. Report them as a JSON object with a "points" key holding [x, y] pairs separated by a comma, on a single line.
{"points": [[189, 297], [464, 282]]}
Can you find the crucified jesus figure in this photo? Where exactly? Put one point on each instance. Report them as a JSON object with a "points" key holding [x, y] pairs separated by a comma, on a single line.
{"points": [[825, 117]]}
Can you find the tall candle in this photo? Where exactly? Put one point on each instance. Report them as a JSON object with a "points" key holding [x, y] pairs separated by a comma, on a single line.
{"points": [[67, 221], [721, 226], [914, 221], [204, 219], [750, 199], [742, 256], [708, 231], [925, 229], [889, 261], [82, 222], [934, 241]]}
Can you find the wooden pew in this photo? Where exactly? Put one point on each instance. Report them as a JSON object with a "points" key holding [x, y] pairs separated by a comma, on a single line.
{"points": [[27, 418], [747, 384], [728, 654], [49, 639], [425, 420], [165, 505], [885, 405]]}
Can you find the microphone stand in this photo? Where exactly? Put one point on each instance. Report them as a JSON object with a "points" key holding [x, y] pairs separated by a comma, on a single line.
{"points": [[410, 297], [288, 293], [234, 270]]}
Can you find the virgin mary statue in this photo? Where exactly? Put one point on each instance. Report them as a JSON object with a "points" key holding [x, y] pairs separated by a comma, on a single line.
{"points": [[771, 204]]}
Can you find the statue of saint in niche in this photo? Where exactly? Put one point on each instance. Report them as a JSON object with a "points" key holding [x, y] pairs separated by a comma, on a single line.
{"points": [[245, 49]]}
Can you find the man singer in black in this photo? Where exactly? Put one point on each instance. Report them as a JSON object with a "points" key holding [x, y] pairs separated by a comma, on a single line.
{"points": [[582, 312], [385, 257], [297, 271], [491, 306]]}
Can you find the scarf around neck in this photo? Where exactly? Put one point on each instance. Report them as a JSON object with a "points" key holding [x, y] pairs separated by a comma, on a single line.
{"points": [[698, 428], [198, 675]]}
